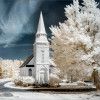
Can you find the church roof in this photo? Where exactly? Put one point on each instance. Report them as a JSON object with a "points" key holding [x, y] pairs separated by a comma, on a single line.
{"points": [[27, 61]]}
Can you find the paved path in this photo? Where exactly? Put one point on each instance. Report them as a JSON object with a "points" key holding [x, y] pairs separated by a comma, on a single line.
{"points": [[4, 89], [8, 92]]}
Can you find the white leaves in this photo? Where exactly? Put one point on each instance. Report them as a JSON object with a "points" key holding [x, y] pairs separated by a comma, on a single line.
{"points": [[76, 42], [81, 25], [10, 68], [96, 50]]}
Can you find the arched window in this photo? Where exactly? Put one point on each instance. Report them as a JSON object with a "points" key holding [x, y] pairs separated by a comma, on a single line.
{"points": [[30, 72]]}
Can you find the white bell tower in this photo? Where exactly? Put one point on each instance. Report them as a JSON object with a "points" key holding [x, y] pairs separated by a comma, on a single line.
{"points": [[41, 54]]}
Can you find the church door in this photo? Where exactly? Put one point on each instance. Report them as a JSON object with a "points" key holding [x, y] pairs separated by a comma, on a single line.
{"points": [[30, 72], [42, 76]]}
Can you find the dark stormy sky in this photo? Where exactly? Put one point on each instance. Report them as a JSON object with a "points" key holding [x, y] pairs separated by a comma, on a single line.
{"points": [[18, 24]]}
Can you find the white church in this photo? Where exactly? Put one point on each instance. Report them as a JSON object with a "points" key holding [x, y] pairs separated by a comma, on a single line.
{"points": [[39, 64]]}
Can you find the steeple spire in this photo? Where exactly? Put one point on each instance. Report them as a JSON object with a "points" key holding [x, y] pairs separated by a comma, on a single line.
{"points": [[41, 27], [41, 35]]}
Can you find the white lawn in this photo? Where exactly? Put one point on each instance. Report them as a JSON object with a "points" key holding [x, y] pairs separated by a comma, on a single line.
{"points": [[51, 96]]}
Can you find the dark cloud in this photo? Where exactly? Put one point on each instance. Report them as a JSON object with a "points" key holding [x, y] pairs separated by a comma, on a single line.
{"points": [[14, 15]]}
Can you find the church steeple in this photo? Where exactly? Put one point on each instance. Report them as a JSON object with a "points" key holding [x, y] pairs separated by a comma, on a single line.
{"points": [[41, 27], [41, 35], [41, 54]]}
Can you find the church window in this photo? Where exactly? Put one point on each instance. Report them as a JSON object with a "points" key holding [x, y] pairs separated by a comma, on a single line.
{"points": [[30, 72]]}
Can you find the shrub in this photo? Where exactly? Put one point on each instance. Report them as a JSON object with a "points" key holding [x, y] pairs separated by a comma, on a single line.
{"points": [[18, 81], [24, 81], [81, 83], [54, 81]]}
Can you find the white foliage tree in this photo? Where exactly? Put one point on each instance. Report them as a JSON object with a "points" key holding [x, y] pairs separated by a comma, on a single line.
{"points": [[75, 42], [10, 68]]}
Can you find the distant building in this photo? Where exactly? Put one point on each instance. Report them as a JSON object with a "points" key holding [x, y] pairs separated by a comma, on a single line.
{"points": [[39, 63]]}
